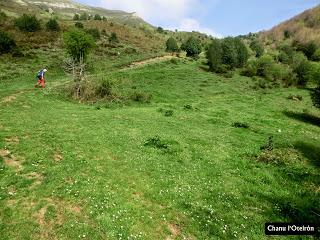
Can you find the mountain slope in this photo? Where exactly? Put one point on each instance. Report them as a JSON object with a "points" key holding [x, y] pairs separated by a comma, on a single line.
{"points": [[304, 27], [67, 8]]}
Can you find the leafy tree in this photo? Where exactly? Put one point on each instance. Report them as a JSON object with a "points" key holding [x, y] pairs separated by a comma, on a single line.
{"points": [[76, 17], [78, 44], [172, 45], [79, 25], [7, 43], [53, 25], [28, 23], [214, 55], [242, 52], [192, 46], [229, 52], [307, 48], [287, 34], [160, 30], [97, 17], [257, 47], [84, 16], [94, 32], [303, 69], [316, 55], [113, 38]]}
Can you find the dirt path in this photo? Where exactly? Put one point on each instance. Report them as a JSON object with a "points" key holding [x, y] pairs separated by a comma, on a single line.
{"points": [[149, 61]]}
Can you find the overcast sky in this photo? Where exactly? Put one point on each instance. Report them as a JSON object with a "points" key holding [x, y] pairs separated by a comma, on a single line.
{"points": [[215, 17]]}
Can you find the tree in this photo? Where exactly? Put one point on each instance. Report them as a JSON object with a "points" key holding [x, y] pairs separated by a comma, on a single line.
{"points": [[214, 55], [160, 30], [192, 46], [113, 38], [84, 16], [307, 48], [242, 52], [7, 43], [257, 47], [97, 17], [302, 67], [171, 45], [229, 52], [53, 25], [28, 23], [78, 43]]}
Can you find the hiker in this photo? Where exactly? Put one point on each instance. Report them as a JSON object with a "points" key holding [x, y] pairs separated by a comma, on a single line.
{"points": [[40, 76]]}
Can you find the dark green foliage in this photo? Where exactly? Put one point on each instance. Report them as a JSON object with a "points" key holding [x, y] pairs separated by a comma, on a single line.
{"points": [[84, 16], [307, 48], [78, 43], [192, 46], [287, 34], [229, 52], [303, 69], [27, 23], [264, 66], [3, 17], [316, 55], [160, 30], [240, 125], [257, 47], [156, 142], [214, 55], [97, 17], [168, 113], [104, 32], [79, 25], [53, 25], [76, 17], [286, 53], [315, 96], [113, 38], [141, 97], [242, 52], [94, 32], [171, 45], [7, 43]]}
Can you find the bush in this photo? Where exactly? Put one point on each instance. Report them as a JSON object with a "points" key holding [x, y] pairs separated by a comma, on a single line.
{"points": [[257, 47], [76, 17], [264, 66], [79, 25], [141, 97], [160, 30], [242, 52], [240, 125], [84, 16], [156, 142], [27, 23], [315, 96], [192, 46], [113, 38], [302, 68], [3, 16], [53, 25], [97, 17], [229, 52], [307, 48], [316, 55], [78, 43], [104, 89], [171, 45], [94, 32], [214, 55], [7, 43]]}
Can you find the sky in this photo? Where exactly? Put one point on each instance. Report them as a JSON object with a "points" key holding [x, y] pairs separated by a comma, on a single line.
{"points": [[219, 18]]}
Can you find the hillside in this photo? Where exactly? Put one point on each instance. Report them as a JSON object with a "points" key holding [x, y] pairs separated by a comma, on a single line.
{"points": [[304, 28]]}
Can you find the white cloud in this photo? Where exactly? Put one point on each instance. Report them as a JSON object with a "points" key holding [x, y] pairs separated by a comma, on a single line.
{"points": [[172, 14]]}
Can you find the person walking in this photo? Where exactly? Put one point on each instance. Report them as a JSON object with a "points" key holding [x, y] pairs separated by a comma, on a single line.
{"points": [[41, 79]]}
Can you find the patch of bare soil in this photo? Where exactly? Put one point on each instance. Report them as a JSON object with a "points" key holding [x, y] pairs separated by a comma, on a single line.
{"points": [[10, 160], [36, 177], [149, 61], [12, 140], [174, 230], [57, 156]]}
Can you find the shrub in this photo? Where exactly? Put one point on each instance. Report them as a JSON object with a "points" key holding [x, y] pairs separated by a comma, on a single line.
{"points": [[160, 30], [113, 38], [214, 55], [168, 113], [302, 68], [242, 52], [286, 53], [53, 25], [79, 25], [104, 89], [250, 69], [78, 43], [269, 145], [192, 46], [240, 125], [315, 96], [84, 16], [316, 55], [156, 142], [264, 66], [27, 23], [94, 32], [7, 43], [229, 52], [257, 47], [307, 48], [76, 17], [141, 97], [3, 16], [287, 34], [171, 45], [97, 17]]}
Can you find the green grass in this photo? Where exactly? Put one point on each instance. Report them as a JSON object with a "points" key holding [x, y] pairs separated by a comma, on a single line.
{"points": [[135, 172]]}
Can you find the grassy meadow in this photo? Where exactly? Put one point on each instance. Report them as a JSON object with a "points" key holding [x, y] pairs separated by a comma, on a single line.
{"points": [[186, 165]]}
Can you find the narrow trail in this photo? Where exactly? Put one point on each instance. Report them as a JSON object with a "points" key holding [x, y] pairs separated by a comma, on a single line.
{"points": [[148, 61]]}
